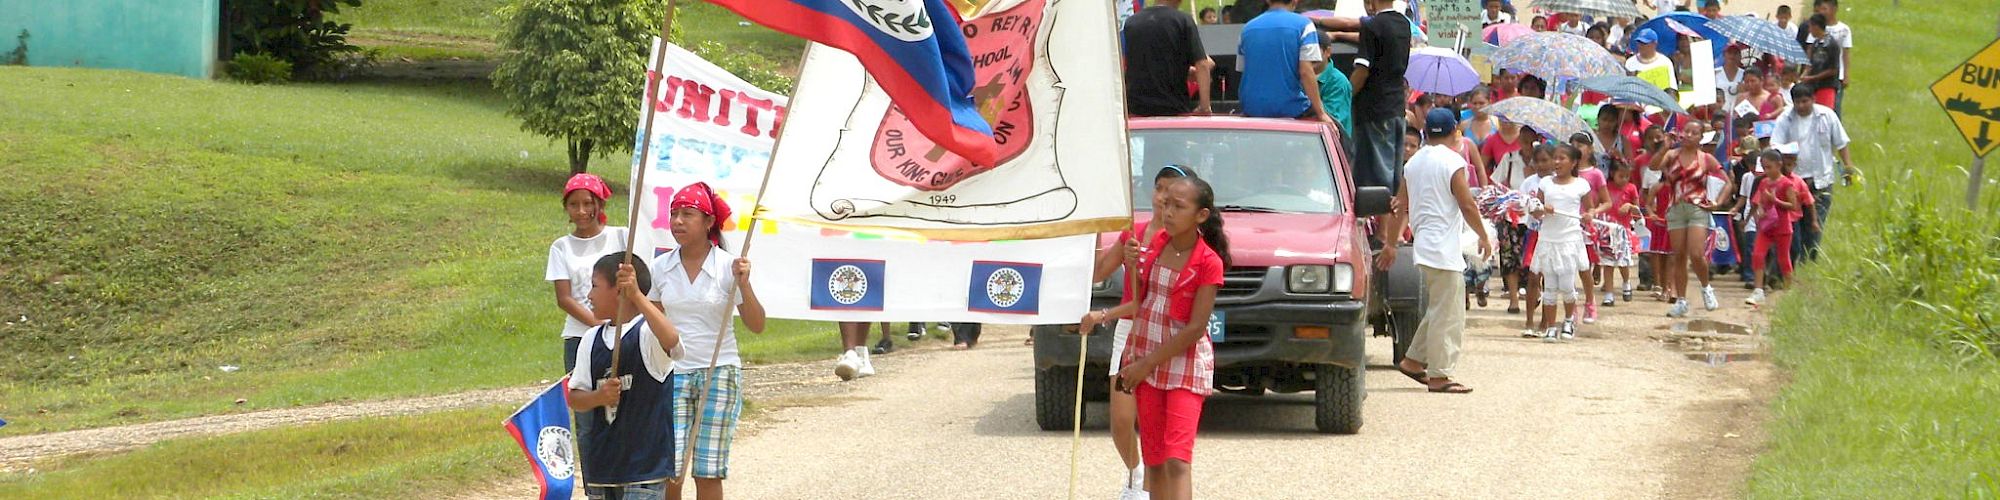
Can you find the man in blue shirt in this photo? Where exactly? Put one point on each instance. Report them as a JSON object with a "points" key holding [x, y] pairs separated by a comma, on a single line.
{"points": [[1276, 55]]}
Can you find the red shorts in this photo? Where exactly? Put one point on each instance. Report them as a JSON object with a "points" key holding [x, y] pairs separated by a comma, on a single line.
{"points": [[1824, 97], [1661, 242], [1167, 423]]}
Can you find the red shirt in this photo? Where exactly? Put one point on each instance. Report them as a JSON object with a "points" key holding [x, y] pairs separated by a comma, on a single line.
{"points": [[1788, 186], [1621, 196], [1690, 178], [1495, 148], [1203, 268]]}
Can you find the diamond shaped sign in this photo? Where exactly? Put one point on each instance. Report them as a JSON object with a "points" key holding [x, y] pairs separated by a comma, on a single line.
{"points": [[1970, 94]]}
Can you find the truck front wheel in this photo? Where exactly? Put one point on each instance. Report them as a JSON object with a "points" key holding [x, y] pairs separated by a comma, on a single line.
{"points": [[1337, 395], [1055, 398]]}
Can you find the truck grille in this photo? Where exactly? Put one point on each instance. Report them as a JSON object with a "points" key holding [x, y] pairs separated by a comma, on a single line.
{"points": [[1242, 282]]}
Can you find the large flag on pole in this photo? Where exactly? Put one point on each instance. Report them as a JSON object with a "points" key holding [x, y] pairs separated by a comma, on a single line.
{"points": [[1049, 79], [911, 49], [542, 429]]}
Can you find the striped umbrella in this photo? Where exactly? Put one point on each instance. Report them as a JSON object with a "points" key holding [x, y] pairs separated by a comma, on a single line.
{"points": [[1551, 120], [1598, 8], [1557, 56], [1761, 35], [1675, 24]]}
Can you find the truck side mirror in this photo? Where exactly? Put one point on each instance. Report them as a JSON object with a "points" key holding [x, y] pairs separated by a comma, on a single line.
{"points": [[1370, 201]]}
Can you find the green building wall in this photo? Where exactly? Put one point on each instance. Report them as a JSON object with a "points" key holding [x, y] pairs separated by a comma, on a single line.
{"points": [[160, 36]]}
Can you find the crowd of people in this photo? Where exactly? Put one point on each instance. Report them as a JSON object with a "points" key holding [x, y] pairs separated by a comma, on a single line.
{"points": [[1647, 199]]}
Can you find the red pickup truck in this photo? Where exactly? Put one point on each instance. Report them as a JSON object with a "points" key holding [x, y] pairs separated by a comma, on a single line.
{"points": [[1295, 308]]}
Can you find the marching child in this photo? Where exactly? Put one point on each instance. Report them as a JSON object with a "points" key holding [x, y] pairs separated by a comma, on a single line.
{"points": [[1781, 201], [1621, 209], [572, 256], [1170, 365], [694, 281], [628, 451], [1124, 411], [1543, 161], [1559, 254]]}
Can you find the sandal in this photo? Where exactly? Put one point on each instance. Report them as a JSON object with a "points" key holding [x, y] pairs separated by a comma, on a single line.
{"points": [[1452, 388], [1417, 376]]}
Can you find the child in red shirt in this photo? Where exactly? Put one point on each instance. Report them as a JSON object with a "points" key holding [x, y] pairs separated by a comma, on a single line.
{"points": [[1781, 200], [1170, 364], [1622, 209]]}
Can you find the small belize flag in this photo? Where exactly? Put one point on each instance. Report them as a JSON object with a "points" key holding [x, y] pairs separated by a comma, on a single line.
{"points": [[542, 429], [1005, 287], [847, 285]]}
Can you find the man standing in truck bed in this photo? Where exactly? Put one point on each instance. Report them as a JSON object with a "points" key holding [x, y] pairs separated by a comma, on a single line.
{"points": [[1380, 94], [1161, 43]]}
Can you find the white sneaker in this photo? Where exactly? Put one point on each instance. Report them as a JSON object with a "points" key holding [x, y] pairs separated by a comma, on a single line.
{"points": [[846, 366], [867, 365], [1756, 298], [1134, 493], [1708, 298], [1678, 310], [1568, 331], [1551, 335], [1530, 333]]}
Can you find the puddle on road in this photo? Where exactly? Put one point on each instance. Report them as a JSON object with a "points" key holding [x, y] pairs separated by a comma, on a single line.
{"points": [[1723, 358], [1707, 325]]}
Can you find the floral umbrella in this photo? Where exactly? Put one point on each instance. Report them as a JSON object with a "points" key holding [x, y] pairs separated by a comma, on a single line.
{"points": [[1547, 118], [1557, 56]]}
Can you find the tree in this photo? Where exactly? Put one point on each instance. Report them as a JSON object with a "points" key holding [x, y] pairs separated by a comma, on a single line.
{"points": [[294, 31], [573, 70]]}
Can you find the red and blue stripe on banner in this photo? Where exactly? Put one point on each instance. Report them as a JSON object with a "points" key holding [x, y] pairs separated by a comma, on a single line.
{"points": [[929, 79]]}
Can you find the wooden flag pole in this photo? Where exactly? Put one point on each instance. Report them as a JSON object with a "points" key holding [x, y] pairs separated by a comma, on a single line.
{"points": [[729, 302], [1131, 277], [639, 184]]}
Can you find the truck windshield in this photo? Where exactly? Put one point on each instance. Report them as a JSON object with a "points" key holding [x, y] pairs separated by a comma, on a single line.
{"points": [[1260, 171]]}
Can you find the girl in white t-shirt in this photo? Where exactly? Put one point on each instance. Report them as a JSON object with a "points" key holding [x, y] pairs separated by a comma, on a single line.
{"points": [[572, 255], [1561, 254], [694, 285]]}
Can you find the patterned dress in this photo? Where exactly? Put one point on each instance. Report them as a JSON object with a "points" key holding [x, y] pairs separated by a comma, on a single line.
{"points": [[1193, 370]]}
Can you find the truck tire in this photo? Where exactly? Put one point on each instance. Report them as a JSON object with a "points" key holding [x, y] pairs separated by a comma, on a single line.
{"points": [[1055, 398], [1337, 395], [1403, 328]]}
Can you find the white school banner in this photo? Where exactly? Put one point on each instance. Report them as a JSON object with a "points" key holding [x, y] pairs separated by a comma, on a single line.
{"points": [[1050, 83], [708, 126], [713, 127]]}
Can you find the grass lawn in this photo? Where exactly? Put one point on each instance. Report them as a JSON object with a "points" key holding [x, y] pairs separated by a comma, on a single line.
{"points": [[412, 456], [465, 29], [335, 242], [1895, 388]]}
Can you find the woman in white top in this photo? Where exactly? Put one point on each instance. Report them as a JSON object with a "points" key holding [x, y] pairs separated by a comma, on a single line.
{"points": [[696, 284], [572, 255]]}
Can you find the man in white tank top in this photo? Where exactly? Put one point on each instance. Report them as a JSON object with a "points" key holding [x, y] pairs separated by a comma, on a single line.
{"points": [[1439, 208]]}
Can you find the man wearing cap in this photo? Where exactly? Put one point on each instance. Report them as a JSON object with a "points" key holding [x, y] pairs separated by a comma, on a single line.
{"points": [[1439, 208], [1649, 59], [1818, 135]]}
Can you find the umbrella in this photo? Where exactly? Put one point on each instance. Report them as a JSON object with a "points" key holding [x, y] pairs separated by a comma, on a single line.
{"points": [[1319, 14], [1599, 8], [1632, 89], [1504, 33], [1671, 25], [1439, 70], [1761, 35], [1550, 119], [1557, 56]]}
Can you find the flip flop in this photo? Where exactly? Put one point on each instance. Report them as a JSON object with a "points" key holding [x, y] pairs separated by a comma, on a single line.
{"points": [[1452, 388], [1417, 376]]}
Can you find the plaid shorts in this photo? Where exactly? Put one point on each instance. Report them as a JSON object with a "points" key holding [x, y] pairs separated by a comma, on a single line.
{"points": [[717, 426]]}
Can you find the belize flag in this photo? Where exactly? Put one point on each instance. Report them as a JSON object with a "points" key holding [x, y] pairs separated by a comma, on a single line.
{"points": [[1005, 287], [848, 284], [913, 49], [542, 429]]}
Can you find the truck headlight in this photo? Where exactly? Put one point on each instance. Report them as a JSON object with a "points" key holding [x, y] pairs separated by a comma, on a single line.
{"points": [[1308, 279], [1343, 278]]}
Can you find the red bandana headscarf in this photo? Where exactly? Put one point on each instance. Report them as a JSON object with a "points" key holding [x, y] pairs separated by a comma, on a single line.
{"points": [[699, 197], [590, 184]]}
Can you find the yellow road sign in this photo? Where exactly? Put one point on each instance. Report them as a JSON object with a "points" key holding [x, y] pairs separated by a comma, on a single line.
{"points": [[1970, 94]]}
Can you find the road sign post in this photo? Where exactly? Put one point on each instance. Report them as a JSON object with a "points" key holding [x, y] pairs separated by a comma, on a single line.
{"points": [[1970, 95]]}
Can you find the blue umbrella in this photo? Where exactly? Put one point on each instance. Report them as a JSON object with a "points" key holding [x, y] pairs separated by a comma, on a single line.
{"points": [[1669, 37], [1632, 89], [1761, 35]]}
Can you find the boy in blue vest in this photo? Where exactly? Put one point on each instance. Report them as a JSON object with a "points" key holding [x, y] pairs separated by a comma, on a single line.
{"points": [[628, 450]]}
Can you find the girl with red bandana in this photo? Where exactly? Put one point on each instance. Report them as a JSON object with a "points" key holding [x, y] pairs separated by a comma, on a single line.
{"points": [[693, 284], [572, 255]]}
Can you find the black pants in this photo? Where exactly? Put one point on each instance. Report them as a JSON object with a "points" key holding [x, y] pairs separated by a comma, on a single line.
{"points": [[965, 333]]}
